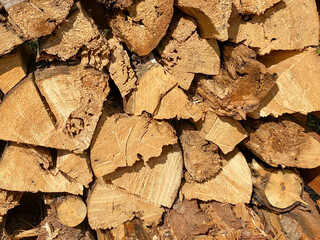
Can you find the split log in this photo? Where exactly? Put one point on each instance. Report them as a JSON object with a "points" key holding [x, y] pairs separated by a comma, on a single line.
{"points": [[212, 16], [66, 102], [157, 93], [183, 49], [201, 157], [120, 68], [156, 181], [279, 28], [278, 190], [39, 17], [76, 166], [282, 142], [13, 68], [109, 206], [8, 200], [296, 89], [232, 185], [249, 7], [78, 30], [30, 169], [223, 131], [241, 85], [122, 140], [144, 26], [68, 209]]}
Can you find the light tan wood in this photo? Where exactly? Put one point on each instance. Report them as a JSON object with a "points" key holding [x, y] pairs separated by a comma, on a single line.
{"points": [[109, 206], [9, 37], [184, 53], [279, 28], [13, 68], [232, 185], [30, 169], [299, 71], [70, 210], [120, 68], [122, 140], [223, 131], [38, 17], [144, 25], [156, 181], [77, 31], [8, 200], [249, 7], [212, 16], [282, 142], [76, 166], [279, 190]]}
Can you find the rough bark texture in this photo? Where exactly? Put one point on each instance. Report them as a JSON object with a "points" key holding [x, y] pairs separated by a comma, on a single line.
{"points": [[280, 28], [144, 26], [212, 16], [282, 142], [183, 49], [241, 85]]}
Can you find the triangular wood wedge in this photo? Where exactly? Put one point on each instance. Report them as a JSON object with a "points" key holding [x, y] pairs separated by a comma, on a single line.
{"points": [[232, 185], [30, 169], [299, 71], [109, 207], [156, 181], [122, 140], [279, 28]]}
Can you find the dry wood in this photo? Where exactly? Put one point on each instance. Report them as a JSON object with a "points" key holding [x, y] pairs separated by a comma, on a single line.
{"points": [[282, 142], [201, 157], [279, 190], [76, 166], [296, 89], [10, 37], [232, 185], [212, 16], [280, 28], [13, 68], [78, 30], [241, 85], [30, 169], [144, 26], [184, 53], [249, 7], [39, 17], [157, 93], [8, 200], [69, 210], [122, 140], [120, 68], [109, 207], [122, 4], [223, 131], [156, 181]]}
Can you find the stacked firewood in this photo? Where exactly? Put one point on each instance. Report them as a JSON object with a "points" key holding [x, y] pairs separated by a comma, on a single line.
{"points": [[159, 119]]}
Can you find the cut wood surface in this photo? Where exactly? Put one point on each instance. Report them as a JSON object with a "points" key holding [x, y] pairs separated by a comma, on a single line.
{"points": [[212, 16], [282, 142], [109, 206], [223, 131], [241, 85], [279, 28], [299, 70], [183, 49], [156, 181], [9, 37], [279, 190], [30, 169], [233, 184], [201, 157], [13, 68], [122, 140], [144, 26], [249, 7], [76, 166]]}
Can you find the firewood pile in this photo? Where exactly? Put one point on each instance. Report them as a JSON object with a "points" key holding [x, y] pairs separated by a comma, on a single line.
{"points": [[159, 119]]}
